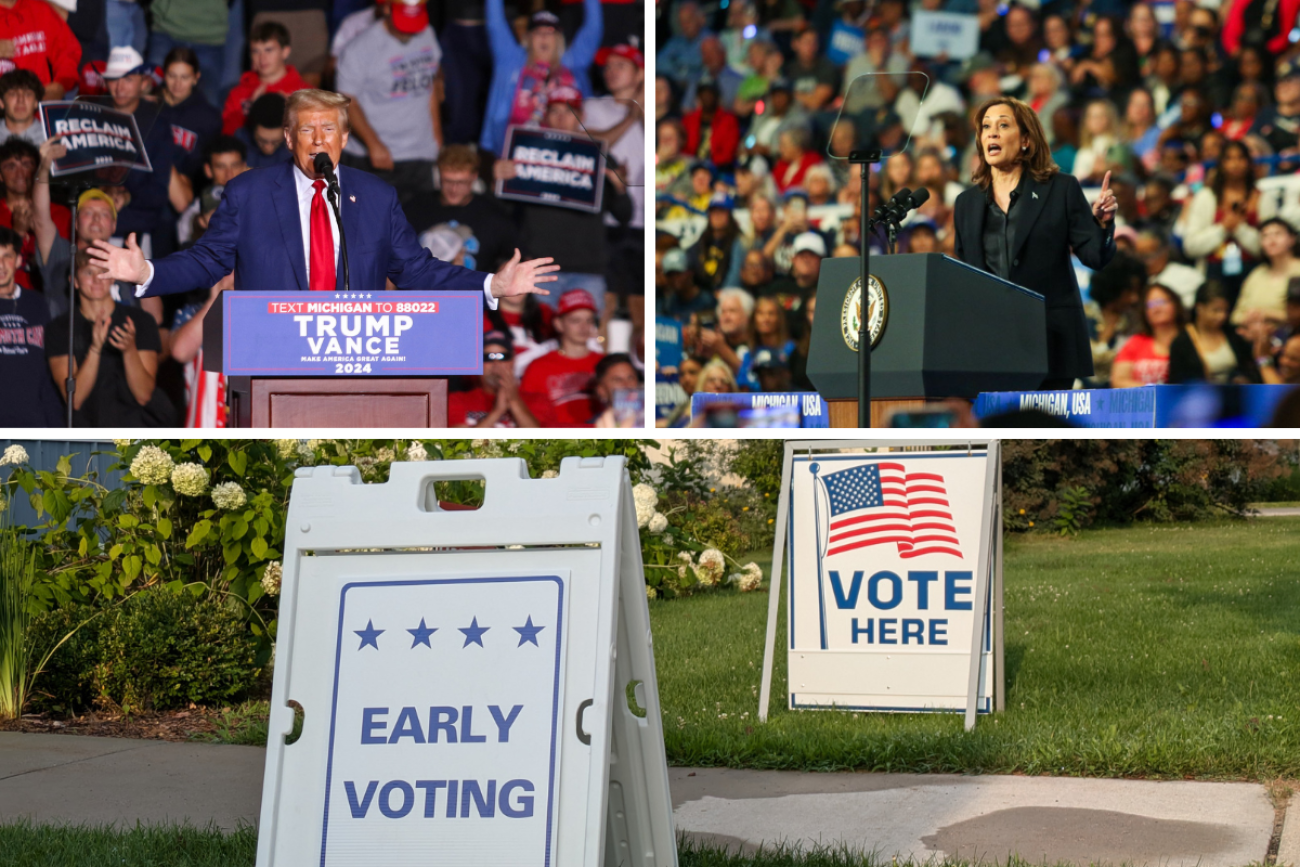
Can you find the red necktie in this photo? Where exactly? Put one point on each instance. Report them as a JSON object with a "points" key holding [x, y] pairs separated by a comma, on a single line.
{"points": [[322, 243]]}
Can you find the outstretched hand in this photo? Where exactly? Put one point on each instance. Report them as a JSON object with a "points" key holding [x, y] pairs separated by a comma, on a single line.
{"points": [[1105, 207], [125, 264], [522, 278]]}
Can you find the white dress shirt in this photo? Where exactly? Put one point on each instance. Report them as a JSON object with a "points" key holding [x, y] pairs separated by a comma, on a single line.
{"points": [[306, 192]]}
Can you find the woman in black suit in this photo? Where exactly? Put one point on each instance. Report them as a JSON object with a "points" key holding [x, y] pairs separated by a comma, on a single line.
{"points": [[1021, 220]]}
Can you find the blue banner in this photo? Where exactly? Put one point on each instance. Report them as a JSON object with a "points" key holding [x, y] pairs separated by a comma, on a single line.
{"points": [[96, 137], [554, 168], [1151, 406], [769, 409], [352, 333], [845, 43]]}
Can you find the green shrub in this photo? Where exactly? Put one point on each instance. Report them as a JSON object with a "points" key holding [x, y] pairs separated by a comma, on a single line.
{"points": [[66, 685], [164, 650]]}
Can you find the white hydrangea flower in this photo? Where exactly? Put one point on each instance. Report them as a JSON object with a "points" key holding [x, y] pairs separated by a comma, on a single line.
{"points": [[286, 448], [514, 447], [271, 578], [122, 444], [228, 495], [366, 463], [712, 566], [152, 465], [315, 444], [684, 556], [751, 577], [646, 499], [386, 455], [650, 592], [658, 523], [478, 445], [190, 480], [550, 474], [15, 454], [668, 538], [306, 455], [416, 452]]}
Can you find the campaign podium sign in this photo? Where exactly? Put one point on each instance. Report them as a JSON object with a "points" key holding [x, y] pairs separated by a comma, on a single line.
{"points": [[464, 674], [894, 562], [95, 135], [554, 168], [345, 334]]}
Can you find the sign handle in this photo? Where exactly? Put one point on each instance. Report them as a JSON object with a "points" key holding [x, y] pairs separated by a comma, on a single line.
{"points": [[1000, 681], [582, 708], [980, 603], [774, 589]]}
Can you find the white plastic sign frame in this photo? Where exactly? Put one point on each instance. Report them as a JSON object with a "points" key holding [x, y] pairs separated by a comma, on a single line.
{"points": [[867, 671], [464, 674]]}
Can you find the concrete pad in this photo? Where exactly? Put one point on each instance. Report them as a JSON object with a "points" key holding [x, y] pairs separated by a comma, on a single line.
{"points": [[924, 817], [1288, 851], [68, 778]]}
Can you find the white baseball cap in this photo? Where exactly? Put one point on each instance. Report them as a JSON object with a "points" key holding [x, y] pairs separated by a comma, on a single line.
{"points": [[810, 242], [122, 61]]}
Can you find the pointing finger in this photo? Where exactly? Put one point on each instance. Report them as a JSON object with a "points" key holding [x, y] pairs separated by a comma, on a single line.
{"points": [[1105, 184]]}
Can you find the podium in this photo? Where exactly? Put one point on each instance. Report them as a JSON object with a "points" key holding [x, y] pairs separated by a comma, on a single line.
{"points": [[946, 329], [342, 359]]}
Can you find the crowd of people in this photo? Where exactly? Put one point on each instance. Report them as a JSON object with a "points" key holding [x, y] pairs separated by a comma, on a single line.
{"points": [[434, 89], [1193, 107]]}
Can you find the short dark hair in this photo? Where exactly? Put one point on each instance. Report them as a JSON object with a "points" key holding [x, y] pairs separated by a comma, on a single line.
{"points": [[614, 358], [267, 111], [1278, 221], [19, 147], [270, 31], [1180, 309], [17, 78], [10, 238], [1118, 277], [181, 54], [1213, 290], [224, 144]]}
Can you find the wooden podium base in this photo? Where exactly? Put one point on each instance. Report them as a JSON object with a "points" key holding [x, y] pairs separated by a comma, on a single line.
{"points": [[342, 402], [844, 413]]}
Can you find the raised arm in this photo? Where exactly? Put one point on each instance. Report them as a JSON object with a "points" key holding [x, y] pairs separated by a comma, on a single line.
{"points": [[1092, 241], [43, 222], [587, 40]]}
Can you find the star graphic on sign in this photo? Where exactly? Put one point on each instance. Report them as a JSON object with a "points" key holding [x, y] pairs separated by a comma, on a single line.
{"points": [[422, 634], [369, 635], [528, 632], [474, 633]]}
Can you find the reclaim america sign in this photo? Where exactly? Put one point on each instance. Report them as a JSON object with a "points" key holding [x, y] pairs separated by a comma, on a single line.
{"points": [[554, 168]]}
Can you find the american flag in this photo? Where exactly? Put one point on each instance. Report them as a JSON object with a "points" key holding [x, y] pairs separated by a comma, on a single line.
{"points": [[878, 503]]}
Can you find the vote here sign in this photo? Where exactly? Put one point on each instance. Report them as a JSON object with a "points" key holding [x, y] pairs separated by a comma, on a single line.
{"points": [[445, 722], [886, 553]]}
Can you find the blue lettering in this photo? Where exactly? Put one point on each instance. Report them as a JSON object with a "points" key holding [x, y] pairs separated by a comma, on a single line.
{"points": [[504, 723], [408, 799], [370, 724], [887, 629], [466, 723], [914, 629], [408, 726], [359, 809], [842, 601], [442, 719], [939, 635], [431, 788], [452, 787], [525, 808], [895, 593], [867, 631], [486, 804], [951, 591], [922, 581]]}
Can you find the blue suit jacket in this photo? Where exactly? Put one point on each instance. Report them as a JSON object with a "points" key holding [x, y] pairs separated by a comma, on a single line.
{"points": [[256, 232]]}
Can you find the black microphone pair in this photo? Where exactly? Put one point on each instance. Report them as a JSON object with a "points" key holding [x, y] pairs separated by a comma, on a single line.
{"points": [[325, 166], [899, 206]]}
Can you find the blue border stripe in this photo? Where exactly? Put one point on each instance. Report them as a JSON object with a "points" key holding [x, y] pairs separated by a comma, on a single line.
{"points": [[555, 691]]}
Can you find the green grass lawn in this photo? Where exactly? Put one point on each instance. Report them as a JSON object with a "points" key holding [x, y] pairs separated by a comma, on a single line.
{"points": [[23, 844], [1155, 651]]}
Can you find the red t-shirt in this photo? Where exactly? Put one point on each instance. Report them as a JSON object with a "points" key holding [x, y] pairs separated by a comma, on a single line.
{"points": [[1149, 367], [241, 96], [557, 389], [62, 222], [43, 43], [471, 407]]}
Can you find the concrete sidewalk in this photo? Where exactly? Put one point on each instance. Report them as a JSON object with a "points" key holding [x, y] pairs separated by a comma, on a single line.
{"points": [[67, 778]]}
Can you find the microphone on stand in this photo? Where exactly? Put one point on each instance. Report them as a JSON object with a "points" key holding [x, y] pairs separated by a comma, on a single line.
{"points": [[325, 166], [907, 203], [880, 213]]}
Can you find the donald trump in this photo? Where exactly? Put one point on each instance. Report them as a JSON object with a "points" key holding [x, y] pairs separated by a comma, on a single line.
{"points": [[275, 229]]}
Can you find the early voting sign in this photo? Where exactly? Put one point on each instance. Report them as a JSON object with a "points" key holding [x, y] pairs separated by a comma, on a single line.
{"points": [[96, 137], [464, 674], [893, 554], [554, 168]]}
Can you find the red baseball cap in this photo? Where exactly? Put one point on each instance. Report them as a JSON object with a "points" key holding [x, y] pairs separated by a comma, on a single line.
{"points": [[563, 93], [625, 51], [576, 299], [410, 16]]}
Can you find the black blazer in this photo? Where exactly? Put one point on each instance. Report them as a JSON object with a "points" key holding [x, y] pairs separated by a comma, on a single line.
{"points": [[1186, 364], [1060, 220]]}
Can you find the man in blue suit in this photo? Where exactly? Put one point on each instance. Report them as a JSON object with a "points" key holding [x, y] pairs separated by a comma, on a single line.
{"points": [[274, 228]]}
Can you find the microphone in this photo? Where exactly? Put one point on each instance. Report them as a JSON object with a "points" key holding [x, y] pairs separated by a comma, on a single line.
{"points": [[881, 212], [325, 166], [907, 203]]}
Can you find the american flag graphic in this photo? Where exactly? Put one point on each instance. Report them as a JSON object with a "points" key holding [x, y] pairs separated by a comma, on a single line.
{"points": [[879, 503]]}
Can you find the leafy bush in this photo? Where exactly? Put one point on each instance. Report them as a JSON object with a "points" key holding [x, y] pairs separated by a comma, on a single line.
{"points": [[66, 685], [164, 650]]}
